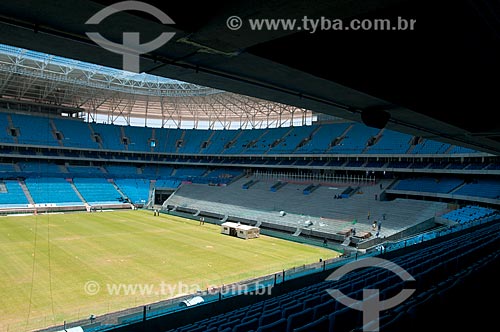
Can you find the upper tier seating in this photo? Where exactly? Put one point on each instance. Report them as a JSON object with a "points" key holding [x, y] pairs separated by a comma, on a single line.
{"points": [[34, 130], [333, 138]]}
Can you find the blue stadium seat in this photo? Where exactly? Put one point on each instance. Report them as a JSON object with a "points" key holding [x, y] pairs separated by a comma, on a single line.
{"points": [[299, 319], [319, 325], [252, 324], [311, 302], [287, 311], [345, 319], [269, 317], [324, 308], [276, 326]]}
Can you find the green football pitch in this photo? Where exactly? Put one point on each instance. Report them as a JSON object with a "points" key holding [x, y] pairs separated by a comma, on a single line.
{"points": [[65, 267]]}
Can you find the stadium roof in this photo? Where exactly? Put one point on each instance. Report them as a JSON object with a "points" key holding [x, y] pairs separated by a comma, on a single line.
{"points": [[120, 96], [433, 81], [42, 66]]}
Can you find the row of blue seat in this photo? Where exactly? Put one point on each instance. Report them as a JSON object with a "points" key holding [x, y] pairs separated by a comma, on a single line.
{"points": [[354, 138]]}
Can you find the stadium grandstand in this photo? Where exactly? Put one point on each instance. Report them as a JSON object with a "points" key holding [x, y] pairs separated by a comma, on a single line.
{"points": [[164, 156]]}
